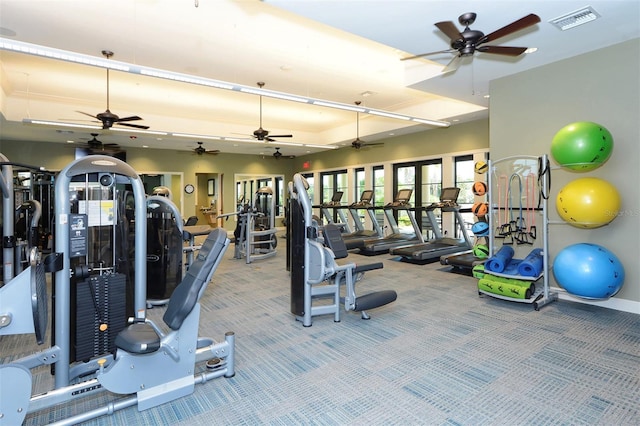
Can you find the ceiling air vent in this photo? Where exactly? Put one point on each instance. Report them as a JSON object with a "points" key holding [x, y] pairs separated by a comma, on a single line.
{"points": [[575, 18]]}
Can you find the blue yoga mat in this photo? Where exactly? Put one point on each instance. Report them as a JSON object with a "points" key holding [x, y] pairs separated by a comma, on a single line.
{"points": [[531, 266], [499, 261]]}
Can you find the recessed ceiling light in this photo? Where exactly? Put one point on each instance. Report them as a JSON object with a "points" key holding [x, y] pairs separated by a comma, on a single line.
{"points": [[145, 146], [486, 96]]}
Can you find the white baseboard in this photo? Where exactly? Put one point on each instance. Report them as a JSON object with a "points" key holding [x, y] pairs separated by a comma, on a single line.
{"points": [[624, 305]]}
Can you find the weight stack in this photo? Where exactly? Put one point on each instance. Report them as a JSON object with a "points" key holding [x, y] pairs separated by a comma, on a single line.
{"points": [[100, 300]]}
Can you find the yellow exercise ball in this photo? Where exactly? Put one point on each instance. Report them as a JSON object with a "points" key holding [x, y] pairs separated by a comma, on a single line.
{"points": [[588, 202]]}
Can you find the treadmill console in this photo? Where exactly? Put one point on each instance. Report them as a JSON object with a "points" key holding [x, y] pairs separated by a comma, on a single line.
{"points": [[448, 198], [402, 198], [335, 199], [365, 199]]}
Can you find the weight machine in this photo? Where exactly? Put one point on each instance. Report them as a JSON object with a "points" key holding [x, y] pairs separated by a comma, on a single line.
{"points": [[315, 275], [255, 233], [150, 365], [27, 203]]}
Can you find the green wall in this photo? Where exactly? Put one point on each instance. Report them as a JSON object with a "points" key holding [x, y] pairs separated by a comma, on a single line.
{"points": [[462, 137], [459, 138], [603, 86]]}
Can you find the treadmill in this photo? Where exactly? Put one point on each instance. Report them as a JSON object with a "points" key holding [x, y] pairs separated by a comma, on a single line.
{"points": [[334, 204], [427, 251], [396, 238], [356, 239]]}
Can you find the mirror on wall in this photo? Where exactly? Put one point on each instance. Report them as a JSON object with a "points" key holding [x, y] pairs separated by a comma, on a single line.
{"points": [[247, 185], [173, 181]]}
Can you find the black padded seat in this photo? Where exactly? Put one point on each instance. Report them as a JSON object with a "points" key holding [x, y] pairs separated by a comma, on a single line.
{"points": [[333, 240], [138, 338]]}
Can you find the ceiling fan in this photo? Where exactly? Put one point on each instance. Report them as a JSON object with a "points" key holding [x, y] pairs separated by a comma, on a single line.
{"points": [[200, 150], [467, 42], [108, 118], [359, 143], [278, 154], [94, 143], [262, 134]]}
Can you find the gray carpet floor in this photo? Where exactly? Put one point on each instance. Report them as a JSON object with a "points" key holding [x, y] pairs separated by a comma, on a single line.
{"points": [[440, 355]]}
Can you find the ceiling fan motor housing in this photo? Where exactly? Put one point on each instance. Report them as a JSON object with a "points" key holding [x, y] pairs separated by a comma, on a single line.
{"points": [[467, 46], [107, 118]]}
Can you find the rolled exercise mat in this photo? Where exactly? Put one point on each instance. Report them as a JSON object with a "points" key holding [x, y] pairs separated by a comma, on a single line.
{"points": [[531, 266], [500, 260], [514, 291], [513, 281]]}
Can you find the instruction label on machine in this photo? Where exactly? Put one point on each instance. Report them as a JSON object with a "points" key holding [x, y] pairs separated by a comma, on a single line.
{"points": [[101, 212], [78, 235]]}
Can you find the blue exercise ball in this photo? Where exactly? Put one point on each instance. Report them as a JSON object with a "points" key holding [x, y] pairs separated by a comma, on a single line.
{"points": [[589, 271]]}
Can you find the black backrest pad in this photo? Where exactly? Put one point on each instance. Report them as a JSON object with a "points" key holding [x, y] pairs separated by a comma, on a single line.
{"points": [[333, 240], [185, 295]]}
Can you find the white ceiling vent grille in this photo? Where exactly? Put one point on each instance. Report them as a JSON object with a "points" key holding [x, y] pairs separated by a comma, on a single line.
{"points": [[575, 18]]}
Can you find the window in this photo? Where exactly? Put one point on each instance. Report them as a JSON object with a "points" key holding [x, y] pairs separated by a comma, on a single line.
{"points": [[464, 177], [360, 185], [311, 183], [378, 186], [425, 178], [333, 182]]}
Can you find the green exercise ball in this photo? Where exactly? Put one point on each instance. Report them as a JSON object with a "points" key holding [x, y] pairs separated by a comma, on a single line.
{"points": [[582, 146]]}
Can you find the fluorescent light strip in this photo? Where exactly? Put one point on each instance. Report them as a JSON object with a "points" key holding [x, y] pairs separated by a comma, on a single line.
{"points": [[338, 106], [55, 123], [389, 115], [190, 135], [130, 130], [240, 140], [321, 146], [186, 79], [49, 52], [272, 94], [284, 143]]}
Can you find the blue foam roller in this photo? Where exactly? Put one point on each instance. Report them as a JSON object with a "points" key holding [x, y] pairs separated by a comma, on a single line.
{"points": [[531, 266], [500, 260]]}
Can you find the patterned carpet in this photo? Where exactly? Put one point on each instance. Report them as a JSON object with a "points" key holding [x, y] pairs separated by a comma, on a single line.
{"points": [[439, 355]]}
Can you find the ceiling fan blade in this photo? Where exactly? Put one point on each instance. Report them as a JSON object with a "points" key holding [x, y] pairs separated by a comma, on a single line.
{"points": [[453, 64], [502, 50], [518, 25], [90, 115], [137, 126], [427, 54], [450, 30], [131, 118], [280, 136]]}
